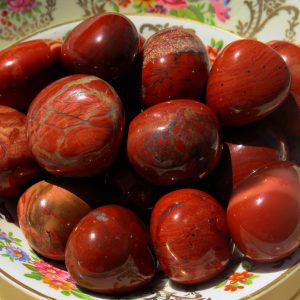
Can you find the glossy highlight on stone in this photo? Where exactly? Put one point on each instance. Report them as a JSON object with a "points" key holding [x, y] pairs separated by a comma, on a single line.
{"points": [[246, 149], [247, 82], [190, 236], [47, 213], [75, 126], [17, 165], [291, 55], [174, 141], [104, 45], [264, 213], [26, 68], [175, 65], [109, 251]]}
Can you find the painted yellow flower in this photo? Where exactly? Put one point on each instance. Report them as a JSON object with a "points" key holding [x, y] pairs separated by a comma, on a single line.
{"points": [[145, 3], [59, 284]]}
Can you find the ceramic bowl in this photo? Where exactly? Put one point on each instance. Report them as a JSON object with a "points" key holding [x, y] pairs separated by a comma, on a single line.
{"points": [[22, 269]]}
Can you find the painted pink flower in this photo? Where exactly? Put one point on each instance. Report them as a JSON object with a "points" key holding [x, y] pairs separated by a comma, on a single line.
{"points": [[221, 9], [51, 271], [173, 3], [20, 6]]}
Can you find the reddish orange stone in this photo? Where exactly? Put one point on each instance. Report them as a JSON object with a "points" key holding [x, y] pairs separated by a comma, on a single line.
{"points": [[47, 213], [17, 165], [247, 82], [174, 141], [26, 68], [190, 236], [109, 251], [75, 126]]}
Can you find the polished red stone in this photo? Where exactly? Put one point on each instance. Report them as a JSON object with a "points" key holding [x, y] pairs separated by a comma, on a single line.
{"points": [[109, 251], [248, 81], [291, 55], [75, 126], [47, 213], [104, 45], [129, 189], [174, 141], [246, 149], [175, 65], [17, 165], [264, 213], [25, 68], [288, 114], [190, 236]]}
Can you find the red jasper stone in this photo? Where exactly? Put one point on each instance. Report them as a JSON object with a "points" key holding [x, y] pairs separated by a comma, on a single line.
{"points": [[246, 149], [17, 165], [291, 55], [131, 190], [104, 45], [248, 81], [47, 213], [25, 69], [264, 213], [109, 251], [75, 126], [175, 65], [190, 236], [174, 141], [288, 114]]}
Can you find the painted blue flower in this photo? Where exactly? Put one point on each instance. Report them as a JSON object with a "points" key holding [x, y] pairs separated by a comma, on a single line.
{"points": [[3, 235], [17, 253]]}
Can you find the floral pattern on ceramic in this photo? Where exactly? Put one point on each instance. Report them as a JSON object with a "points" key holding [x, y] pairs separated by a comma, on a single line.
{"points": [[59, 279], [204, 11], [262, 12], [21, 17], [55, 278], [237, 280]]}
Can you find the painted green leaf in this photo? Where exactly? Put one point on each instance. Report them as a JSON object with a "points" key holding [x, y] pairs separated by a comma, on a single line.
{"points": [[254, 276], [34, 275], [18, 244], [5, 255], [77, 293], [221, 284], [211, 9], [10, 234], [210, 20], [138, 8], [37, 10], [184, 13], [2, 4], [247, 281], [30, 267], [235, 284], [29, 14], [197, 11], [34, 256], [66, 293], [115, 7], [213, 42], [219, 44], [18, 17]]}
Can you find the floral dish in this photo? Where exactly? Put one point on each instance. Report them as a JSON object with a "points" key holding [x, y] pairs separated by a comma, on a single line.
{"points": [[23, 269]]}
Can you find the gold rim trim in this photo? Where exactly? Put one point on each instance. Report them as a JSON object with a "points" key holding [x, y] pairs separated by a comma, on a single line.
{"points": [[294, 268], [24, 286]]}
